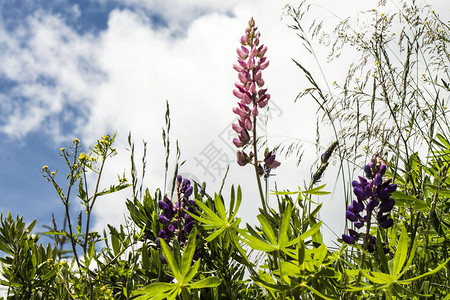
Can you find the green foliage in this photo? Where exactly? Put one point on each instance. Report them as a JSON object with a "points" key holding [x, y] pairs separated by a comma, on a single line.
{"points": [[284, 255]]}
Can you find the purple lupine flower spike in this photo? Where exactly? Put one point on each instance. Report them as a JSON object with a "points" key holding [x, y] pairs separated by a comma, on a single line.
{"points": [[373, 198], [249, 90]]}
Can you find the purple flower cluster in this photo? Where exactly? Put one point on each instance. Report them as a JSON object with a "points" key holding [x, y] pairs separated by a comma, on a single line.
{"points": [[176, 222], [251, 62], [250, 92], [373, 199]]}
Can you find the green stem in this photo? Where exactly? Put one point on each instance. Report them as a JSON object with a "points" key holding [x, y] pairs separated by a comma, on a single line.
{"points": [[255, 164]]}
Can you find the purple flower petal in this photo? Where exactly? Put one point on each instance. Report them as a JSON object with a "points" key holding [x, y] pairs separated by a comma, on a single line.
{"points": [[163, 219], [354, 234], [351, 216], [372, 204], [358, 192], [359, 224], [383, 169], [378, 180], [188, 191], [387, 205], [388, 223], [348, 239], [358, 206]]}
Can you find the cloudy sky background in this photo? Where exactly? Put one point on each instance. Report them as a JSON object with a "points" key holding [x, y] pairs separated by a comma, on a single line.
{"points": [[82, 69]]}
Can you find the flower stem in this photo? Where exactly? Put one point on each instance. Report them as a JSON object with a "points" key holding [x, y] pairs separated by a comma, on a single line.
{"points": [[255, 164]]}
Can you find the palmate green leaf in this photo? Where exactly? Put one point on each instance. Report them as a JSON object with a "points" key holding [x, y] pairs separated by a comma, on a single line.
{"points": [[306, 234], [437, 269], [328, 272], [405, 200], [280, 193], [316, 292], [209, 282], [234, 209], [256, 243], [378, 277], [63, 233], [267, 229], [289, 269], [381, 255], [10, 283], [316, 191], [155, 290], [411, 258], [212, 221], [401, 253], [301, 252], [444, 192], [188, 254], [170, 259], [271, 286], [319, 255], [208, 216], [113, 189], [192, 271], [282, 234], [145, 257], [115, 244], [220, 207]]}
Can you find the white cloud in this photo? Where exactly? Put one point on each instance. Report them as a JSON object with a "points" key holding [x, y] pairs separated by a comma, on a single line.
{"points": [[51, 68]]}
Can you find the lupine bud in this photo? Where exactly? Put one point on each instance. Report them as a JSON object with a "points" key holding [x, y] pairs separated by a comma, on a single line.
{"points": [[378, 179], [357, 206], [253, 51], [246, 99], [188, 191], [251, 63], [237, 128], [238, 143], [242, 53], [371, 205], [248, 124], [358, 192], [238, 67], [359, 224], [258, 75], [348, 239], [239, 112], [186, 183], [351, 216], [270, 161], [387, 223], [252, 88], [255, 111], [163, 219], [354, 234], [238, 94], [383, 168], [244, 136], [264, 64], [242, 77], [262, 51], [387, 205], [242, 158]]}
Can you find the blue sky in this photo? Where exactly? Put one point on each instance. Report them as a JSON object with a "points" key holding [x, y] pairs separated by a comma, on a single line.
{"points": [[82, 69]]}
